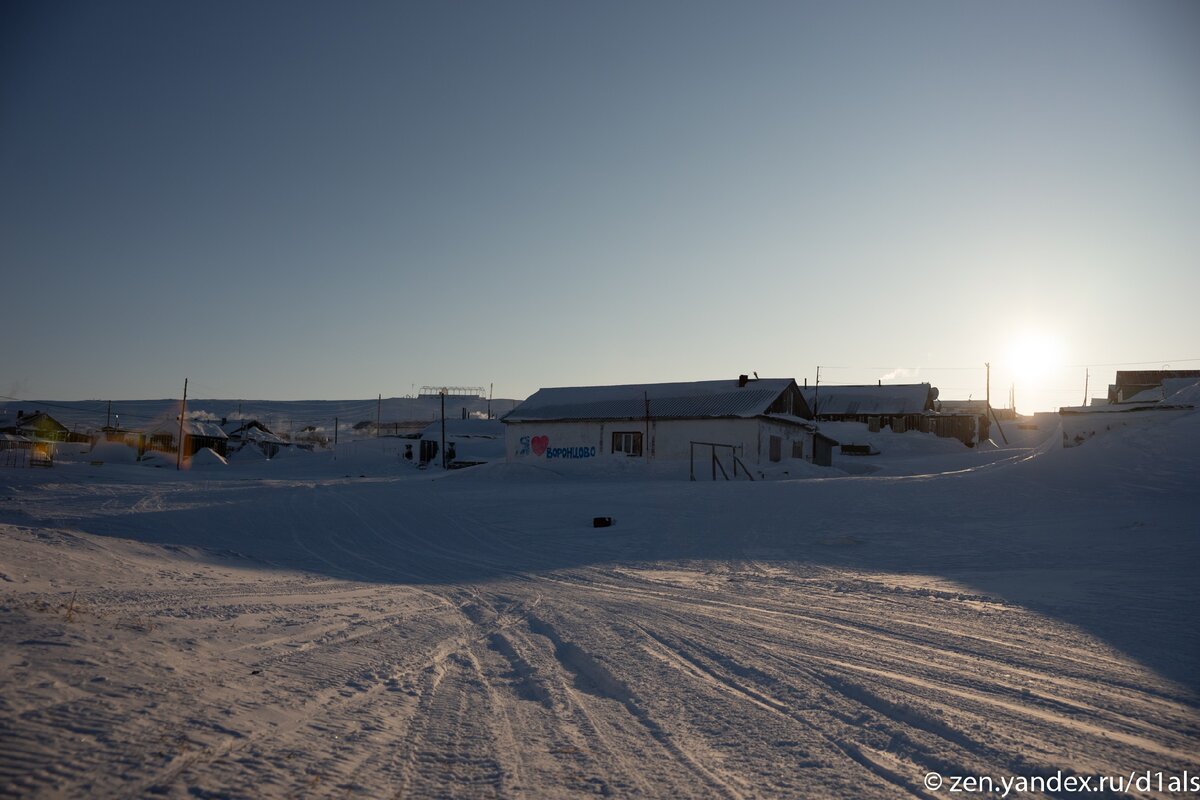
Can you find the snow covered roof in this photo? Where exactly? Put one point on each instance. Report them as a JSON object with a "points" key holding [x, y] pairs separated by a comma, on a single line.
{"points": [[724, 398], [191, 427], [899, 398], [262, 436], [38, 419], [232, 426], [1173, 394]]}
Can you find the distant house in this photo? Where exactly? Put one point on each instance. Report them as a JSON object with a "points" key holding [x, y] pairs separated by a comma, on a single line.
{"points": [[197, 435], [1148, 383], [901, 407], [760, 421], [250, 432], [38, 426], [1176, 393], [898, 406]]}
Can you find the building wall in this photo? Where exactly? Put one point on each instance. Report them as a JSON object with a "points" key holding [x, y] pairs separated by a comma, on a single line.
{"points": [[550, 442]]}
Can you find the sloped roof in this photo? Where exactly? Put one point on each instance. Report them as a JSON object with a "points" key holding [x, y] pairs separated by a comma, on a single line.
{"points": [[191, 427], [697, 399], [898, 398], [38, 419], [232, 426], [262, 436]]}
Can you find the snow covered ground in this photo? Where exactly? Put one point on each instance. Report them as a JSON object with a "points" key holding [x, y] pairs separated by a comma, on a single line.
{"points": [[350, 626]]}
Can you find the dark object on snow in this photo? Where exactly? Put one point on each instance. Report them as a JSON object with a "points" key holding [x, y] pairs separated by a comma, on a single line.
{"points": [[859, 450], [602, 522]]}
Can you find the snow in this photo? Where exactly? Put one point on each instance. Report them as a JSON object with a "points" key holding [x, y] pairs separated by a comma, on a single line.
{"points": [[206, 458], [342, 624], [113, 453]]}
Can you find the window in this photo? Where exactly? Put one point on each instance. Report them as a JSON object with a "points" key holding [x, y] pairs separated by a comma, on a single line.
{"points": [[628, 443], [798, 448]]}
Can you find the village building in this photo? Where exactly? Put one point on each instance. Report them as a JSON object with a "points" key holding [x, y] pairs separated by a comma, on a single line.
{"points": [[761, 422], [197, 435], [896, 406], [39, 426], [1129, 384], [901, 407], [1143, 398], [243, 433]]}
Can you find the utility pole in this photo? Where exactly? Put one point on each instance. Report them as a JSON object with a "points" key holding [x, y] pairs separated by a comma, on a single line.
{"points": [[182, 413], [491, 389], [816, 393], [987, 365], [378, 413], [443, 395], [646, 444], [1087, 376], [335, 421], [108, 415], [989, 402]]}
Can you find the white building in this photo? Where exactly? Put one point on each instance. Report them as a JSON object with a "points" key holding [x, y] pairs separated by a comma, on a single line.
{"points": [[760, 421]]}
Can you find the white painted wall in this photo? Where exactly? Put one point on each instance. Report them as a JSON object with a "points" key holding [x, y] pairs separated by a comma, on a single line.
{"points": [[547, 442]]}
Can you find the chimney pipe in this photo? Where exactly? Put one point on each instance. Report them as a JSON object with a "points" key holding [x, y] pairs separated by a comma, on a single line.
{"points": [[743, 380]]}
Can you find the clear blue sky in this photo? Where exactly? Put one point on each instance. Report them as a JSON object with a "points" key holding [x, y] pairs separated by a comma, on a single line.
{"points": [[333, 200]]}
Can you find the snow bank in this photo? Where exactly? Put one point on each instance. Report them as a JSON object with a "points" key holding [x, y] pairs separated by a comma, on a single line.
{"points": [[113, 453], [206, 458]]}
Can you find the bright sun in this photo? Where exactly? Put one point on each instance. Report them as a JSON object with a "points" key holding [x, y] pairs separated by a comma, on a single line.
{"points": [[1034, 356]]}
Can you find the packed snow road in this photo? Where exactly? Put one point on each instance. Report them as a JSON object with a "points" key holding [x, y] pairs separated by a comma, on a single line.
{"points": [[474, 636]]}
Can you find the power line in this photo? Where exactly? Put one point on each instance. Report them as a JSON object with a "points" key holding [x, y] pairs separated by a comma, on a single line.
{"points": [[96, 410], [1160, 362]]}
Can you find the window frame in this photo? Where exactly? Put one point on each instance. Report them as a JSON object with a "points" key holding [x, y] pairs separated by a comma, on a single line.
{"points": [[631, 438]]}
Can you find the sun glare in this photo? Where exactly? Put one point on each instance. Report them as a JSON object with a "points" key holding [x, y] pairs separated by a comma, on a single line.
{"points": [[1035, 356]]}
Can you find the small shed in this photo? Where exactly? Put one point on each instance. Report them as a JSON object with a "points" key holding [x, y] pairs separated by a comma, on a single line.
{"points": [[14, 450], [760, 421]]}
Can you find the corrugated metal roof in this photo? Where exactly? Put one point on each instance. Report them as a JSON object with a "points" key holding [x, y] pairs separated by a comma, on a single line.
{"points": [[905, 398], [666, 400]]}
